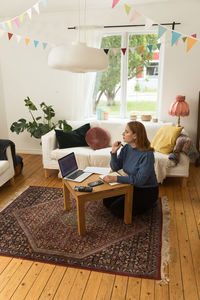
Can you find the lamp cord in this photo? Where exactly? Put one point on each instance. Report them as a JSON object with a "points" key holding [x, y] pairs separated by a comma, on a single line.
{"points": [[85, 21]]}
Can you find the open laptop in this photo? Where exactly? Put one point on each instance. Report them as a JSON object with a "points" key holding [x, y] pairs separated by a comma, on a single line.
{"points": [[69, 169]]}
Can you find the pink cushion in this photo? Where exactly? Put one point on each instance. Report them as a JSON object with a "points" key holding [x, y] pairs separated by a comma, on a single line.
{"points": [[97, 138]]}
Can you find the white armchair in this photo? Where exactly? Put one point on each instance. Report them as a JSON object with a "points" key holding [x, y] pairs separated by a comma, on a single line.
{"points": [[7, 171]]}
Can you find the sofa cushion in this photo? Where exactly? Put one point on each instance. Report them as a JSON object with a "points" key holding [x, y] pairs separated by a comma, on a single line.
{"points": [[165, 138], [75, 138], [97, 138]]}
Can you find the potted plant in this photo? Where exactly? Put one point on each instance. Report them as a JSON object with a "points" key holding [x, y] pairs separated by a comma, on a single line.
{"points": [[39, 125]]}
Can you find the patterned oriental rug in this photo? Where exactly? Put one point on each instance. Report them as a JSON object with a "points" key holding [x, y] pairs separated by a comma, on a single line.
{"points": [[35, 226]]}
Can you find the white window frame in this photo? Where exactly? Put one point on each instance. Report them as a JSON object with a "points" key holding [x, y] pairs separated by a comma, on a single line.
{"points": [[125, 32]]}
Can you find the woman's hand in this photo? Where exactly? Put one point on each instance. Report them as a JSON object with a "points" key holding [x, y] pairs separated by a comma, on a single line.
{"points": [[109, 178], [115, 146]]}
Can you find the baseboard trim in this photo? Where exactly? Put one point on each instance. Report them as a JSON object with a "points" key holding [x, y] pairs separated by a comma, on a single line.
{"points": [[29, 151]]}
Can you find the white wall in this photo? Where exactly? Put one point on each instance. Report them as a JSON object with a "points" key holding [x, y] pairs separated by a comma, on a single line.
{"points": [[24, 70]]}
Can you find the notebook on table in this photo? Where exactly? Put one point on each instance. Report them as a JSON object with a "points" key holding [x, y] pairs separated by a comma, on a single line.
{"points": [[69, 168]]}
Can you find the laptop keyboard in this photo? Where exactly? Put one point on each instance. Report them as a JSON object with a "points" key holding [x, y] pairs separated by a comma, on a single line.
{"points": [[76, 174]]}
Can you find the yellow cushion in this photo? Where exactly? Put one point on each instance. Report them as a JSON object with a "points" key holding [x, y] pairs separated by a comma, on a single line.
{"points": [[165, 139]]}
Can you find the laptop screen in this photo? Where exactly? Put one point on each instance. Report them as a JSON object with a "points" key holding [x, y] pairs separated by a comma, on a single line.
{"points": [[67, 164]]}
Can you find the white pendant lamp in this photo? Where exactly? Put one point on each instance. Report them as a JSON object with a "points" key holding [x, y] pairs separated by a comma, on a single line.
{"points": [[78, 57]]}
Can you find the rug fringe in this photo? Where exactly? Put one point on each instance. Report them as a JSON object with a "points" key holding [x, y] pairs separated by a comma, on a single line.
{"points": [[165, 240], [11, 199]]}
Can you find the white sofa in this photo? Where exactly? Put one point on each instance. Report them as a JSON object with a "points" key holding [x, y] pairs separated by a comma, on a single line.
{"points": [[85, 156], [7, 171]]}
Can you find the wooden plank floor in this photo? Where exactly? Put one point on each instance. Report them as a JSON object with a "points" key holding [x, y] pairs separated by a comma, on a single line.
{"points": [[23, 279]]}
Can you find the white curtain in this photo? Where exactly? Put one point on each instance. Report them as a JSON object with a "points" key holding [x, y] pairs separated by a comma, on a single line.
{"points": [[84, 83]]}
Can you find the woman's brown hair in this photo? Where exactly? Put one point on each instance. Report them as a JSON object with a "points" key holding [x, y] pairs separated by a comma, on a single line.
{"points": [[142, 141]]}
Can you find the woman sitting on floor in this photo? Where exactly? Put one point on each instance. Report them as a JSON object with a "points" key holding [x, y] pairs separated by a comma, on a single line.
{"points": [[136, 158]]}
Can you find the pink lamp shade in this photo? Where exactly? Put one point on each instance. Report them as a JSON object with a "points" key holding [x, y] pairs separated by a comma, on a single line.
{"points": [[179, 108]]}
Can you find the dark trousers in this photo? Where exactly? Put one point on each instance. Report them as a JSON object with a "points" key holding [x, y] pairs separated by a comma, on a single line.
{"points": [[143, 199]]}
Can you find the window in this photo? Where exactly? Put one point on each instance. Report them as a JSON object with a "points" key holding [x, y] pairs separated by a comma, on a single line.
{"points": [[131, 81]]}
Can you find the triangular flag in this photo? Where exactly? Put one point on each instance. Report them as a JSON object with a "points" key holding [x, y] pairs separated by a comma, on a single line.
{"points": [[21, 17], [1, 32], [18, 37], [3, 25], [115, 50], [36, 7], [35, 43], [44, 45], [175, 37], [184, 38], [27, 40], [194, 35], [150, 47], [44, 2], [141, 48], [148, 23], [123, 50], [106, 51], [10, 35], [9, 24], [16, 20], [161, 30], [114, 3], [132, 49], [127, 8], [158, 46], [29, 12], [190, 43], [134, 16]]}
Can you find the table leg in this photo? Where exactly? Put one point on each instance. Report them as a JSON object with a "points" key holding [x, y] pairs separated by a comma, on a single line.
{"points": [[128, 205], [66, 196], [81, 216]]}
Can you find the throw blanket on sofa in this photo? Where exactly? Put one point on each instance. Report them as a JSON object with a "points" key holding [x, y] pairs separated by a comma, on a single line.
{"points": [[183, 144], [3, 146]]}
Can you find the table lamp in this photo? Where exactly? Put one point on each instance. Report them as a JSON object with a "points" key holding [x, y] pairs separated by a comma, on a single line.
{"points": [[179, 108]]}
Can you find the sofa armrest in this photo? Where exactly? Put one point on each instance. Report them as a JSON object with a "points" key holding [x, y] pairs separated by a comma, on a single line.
{"points": [[49, 144]]}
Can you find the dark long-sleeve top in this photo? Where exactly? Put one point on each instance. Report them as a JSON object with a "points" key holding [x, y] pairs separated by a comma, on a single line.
{"points": [[137, 164]]}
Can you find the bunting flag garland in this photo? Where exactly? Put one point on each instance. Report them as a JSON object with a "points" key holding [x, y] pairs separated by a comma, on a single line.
{"points": [[190, 43], [123, 50], [19, 19], [132, 49], [141, 48], [36, 7], [9, 24], [16, 20], [10, 35], [158, 46], [175, 37], [18, 37], [150, 47], [27, 40], [115, 50], [184, 39], [148, 23], [134, 16], [106, 50], [35, 43], [29, 12], [127, 8], [114, 3], [44, 44], [161, 30]]}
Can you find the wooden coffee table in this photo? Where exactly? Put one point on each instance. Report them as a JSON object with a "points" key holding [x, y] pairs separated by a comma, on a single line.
{"points": [[99, 192]]}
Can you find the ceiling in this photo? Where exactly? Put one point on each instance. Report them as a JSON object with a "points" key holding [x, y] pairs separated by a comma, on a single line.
{"points": [[14, 8]]}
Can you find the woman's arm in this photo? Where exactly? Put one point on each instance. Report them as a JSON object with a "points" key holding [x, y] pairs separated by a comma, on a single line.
{"points": [[144, 172]]}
